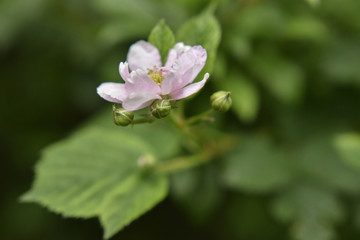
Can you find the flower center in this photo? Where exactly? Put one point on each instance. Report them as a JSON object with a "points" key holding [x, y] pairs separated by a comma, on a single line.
{"points": [[156, 75]]}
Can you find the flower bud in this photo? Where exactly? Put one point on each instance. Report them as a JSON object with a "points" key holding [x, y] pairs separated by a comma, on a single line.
{"points": [[160, 108], [221, 101], [121, 116]]}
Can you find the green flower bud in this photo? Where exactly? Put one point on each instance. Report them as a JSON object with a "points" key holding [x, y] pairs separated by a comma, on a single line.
{"points": [[121, 116], [160, 108], [221, 101]]}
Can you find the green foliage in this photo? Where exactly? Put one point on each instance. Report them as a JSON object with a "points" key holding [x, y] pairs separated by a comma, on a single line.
{"points": [[163, 38], [202, 30], [95, 173], [314, 3], [342, 51], [312, 211], [348, 146], [257, 166], [245, 95], [244, 92], [292, 69], [123, 207], [13, 16], [282, 78], [357, 217], [307, 28], [197, 192], [320, 163]]}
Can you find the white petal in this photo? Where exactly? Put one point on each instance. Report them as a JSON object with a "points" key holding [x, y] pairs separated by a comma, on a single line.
{"points": [[112, 92], [172, 56], [143, 55], [168, 82], [124, 71], [139, 81], [186, 68], [136, 101], [189, 90], [181, 47], [175, 53]]}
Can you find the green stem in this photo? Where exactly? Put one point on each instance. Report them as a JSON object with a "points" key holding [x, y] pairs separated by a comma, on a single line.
{"points": [[181, 110], [200, 117], [191, 139], [176, 120], [210, 152], [182, 163]]}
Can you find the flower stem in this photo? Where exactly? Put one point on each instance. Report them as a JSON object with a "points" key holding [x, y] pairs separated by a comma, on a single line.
{"points": [[200, 117], [210, 152], [182, 163], [191, 140], [181, 110]]}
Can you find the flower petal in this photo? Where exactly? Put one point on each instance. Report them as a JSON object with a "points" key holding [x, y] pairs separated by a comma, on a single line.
{"points": [[143, 55], [168, 83], [112, 92], [189, 65], [185, 69], [175, 53], [124, 71], [189, 90], [136, 101], [140, 82]]}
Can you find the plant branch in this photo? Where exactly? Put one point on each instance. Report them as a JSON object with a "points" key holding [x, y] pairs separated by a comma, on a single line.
{"points": [[210, 152], [200, 117]]}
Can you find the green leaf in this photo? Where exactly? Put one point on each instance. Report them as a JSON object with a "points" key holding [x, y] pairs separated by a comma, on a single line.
{"points": [[238, 46], [312, 211], [244, 94], [259, 21], [319, 162], [348, 146], [282, 78], [251, 212], [122, 208], [357, 216], [257, 165], [163, 38], [339, 61], [197, 191], [94, 173], [205, 30], [156, 134], [313, 3], [14, 15], [306, 28]]}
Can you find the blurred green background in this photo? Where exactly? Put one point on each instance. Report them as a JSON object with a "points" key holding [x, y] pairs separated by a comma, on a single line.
{"points": [[293, 70]]}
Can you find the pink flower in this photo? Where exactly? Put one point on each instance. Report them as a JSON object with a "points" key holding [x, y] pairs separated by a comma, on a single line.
{"points": [[149, 80]]}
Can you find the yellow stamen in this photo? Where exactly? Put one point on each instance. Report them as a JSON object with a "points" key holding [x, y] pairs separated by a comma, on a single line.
{"points": [[156, 75]]}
